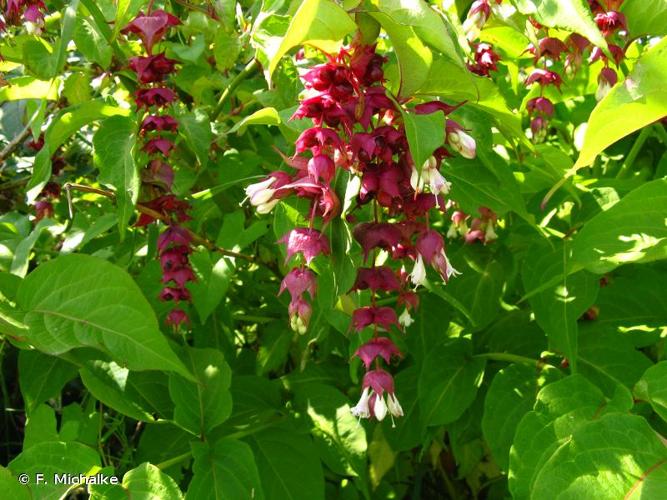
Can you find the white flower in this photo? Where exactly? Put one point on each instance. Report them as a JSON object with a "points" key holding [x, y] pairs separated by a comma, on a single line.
{"points": [[490, 234], [380, 408], [265, 208], [462, 143], [259, 193], [394, 406], [418, 275], [405, 319], [362, 410], [603, 89], [450, 269], [452, 232]]}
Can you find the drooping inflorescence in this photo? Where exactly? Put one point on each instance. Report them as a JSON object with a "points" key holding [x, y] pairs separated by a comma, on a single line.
{"points": [[358, 131], [152, 99]]}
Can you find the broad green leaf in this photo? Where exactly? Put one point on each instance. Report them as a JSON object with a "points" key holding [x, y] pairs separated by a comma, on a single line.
{"points": [[572, 15], [73, 118], [610, 359], [558, 306], [114, 143], [448, 382], [425, 134], [645, 17], [41, 173], [52, 458], [79, 300], [224, 469], [337, 433], [148, 482], [22, 253], [511, 395], [40, 427], [427, 23], [617, 456], [109, 383], [206, 403], [196, 130], [288, 464], [162, 441], [636, 102], [27, 87], [92, 43], [561, 408], [213, 280], [652, 387], [633, 230], [226, 49], [320, 23], [275, 344], [264, 116], [42, 377], [414, 58], [408, 431], [11, 488]]}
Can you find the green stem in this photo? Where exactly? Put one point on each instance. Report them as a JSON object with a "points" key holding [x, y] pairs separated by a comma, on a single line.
{"points": [[632, 155], [249, 69], [173, 461]]}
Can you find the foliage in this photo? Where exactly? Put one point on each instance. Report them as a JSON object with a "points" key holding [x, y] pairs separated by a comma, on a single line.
{"points": [[512, 332]]}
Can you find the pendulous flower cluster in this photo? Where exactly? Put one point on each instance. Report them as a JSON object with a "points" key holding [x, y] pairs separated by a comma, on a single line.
{"points": [[30, 12], [358, 131], [485, 58], [613, 26], [158, 127]]}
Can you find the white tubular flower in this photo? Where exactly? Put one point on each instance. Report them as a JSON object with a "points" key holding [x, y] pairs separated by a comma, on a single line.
{"points": [[405, 319], [380, 408], [362, 410], [418, 274], [394, 406]]}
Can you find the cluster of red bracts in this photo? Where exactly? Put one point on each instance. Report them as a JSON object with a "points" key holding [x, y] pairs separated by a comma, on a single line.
{"points": [[28, 11], [485, 58], [610, 22], [481, 229], [157, 130], [358, 129]]}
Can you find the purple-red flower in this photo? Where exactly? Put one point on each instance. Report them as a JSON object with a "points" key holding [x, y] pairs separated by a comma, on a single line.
{"points": [[308, 242], [372, 315], [610, 21], [176, 317], [606, 80], [160, 123], [541, 105], [160, 96], [544, 77], [549, 47], [158, 145], [300, 312], [485, 59], [264, 195], [299, 281], [316, 138], [377, 346], [431, 250], [174, 235], [377, 235], [376, 278], [151, 27], [176, 294], [151, 69]]}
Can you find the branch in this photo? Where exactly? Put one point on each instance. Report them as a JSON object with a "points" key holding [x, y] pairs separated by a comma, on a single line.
{"points": [[159, 216], [246, 72], [22, 136]]}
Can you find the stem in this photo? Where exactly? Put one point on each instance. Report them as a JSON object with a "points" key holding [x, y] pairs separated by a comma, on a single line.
{"points": [[514, 358], [249, 69], [632, 155], [173, 461]]}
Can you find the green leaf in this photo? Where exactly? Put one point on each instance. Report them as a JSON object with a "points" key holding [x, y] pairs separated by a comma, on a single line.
{"points": [[572, 15], [565, 298], [114, 143], [66, 33], [414, 58], [40, 427], [425, 134], [41, 173], [195, 128], [52, 458], [224, 469], [511, 395], [92, 43], [609, 359], [427, 23], [42, 377], [27, 87], [632, 104], [206, 403], [80, 300], [320, 23], [617, 456], [226, 49], [212, 282], [633, 230], [652, 387], [561, 408], [288, 464], [22, 253], [645, 17], [408, 431], [264, 116], [109, 383], [11, 488], [448, 382], [147, 481]]}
